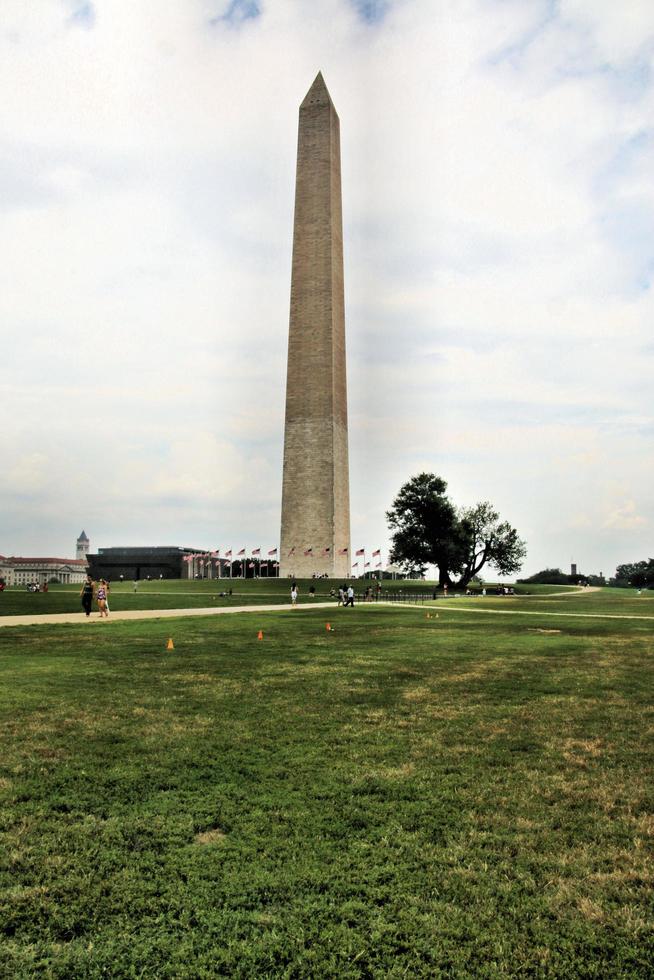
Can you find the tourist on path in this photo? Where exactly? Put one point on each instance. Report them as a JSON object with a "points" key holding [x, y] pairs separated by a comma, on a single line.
{"points": [[87, 595], [294, 594], [101, 597]]}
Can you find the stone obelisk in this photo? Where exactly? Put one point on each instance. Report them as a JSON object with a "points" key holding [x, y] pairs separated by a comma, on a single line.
{"points": [[315, 532]]}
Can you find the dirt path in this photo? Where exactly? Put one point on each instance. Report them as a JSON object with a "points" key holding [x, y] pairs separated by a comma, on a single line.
{"points": [[581, 590], [48, 619], [523, 612]]}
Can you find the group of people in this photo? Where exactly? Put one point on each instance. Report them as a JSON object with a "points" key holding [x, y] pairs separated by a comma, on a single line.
{"points": [[345, 594], [95, 591]]}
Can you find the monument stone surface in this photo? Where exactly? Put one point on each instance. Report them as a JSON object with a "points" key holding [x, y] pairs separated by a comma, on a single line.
{"points": [[315, 526]]}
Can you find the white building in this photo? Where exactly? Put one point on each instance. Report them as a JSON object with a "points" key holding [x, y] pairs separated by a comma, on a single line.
{"points": [[68, 571], [22, 571]]}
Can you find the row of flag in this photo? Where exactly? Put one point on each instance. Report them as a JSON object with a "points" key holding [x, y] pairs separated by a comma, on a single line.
{"points": [[256, 552], [341, 551], [201, 556]]}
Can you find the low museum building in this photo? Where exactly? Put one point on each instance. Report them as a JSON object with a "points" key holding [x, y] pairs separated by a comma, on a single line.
{"points": [[134, 564]]}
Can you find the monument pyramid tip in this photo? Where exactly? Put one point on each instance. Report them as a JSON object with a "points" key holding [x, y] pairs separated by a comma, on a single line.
{"points": [[318, 93]]}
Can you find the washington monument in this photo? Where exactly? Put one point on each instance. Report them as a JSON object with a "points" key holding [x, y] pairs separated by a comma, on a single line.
{"points": [[315, 533]]}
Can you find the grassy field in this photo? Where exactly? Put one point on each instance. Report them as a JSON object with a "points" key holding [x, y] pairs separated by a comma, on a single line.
{"points": [[177, 594], [464, 795]]}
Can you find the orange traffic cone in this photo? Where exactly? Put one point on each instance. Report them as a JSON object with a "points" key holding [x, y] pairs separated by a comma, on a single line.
{"points": [[260, 635], [170, 645]]}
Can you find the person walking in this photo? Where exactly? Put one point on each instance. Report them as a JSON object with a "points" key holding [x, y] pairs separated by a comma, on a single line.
{"points": [[349, 596], [87, 595], [101, 596], [294, 594]]}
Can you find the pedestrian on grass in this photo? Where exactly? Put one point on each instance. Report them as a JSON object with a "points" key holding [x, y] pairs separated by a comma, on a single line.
{"points": [[349, 597], [294, 594], [87, 595]]}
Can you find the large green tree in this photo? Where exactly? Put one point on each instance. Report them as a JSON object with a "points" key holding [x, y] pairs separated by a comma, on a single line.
{"points": [[427, 529], [639, 574]]}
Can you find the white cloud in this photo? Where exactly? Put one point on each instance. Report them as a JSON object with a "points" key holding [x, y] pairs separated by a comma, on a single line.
{"points": [[624, 517], [498, 285]]}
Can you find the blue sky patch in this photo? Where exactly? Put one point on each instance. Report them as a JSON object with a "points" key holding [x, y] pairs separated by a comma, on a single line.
{"points": [[372, 11], [237, 11], [83, 15]]}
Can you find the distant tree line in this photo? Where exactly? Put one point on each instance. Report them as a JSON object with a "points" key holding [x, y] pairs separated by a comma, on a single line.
{"points": [[637, 575], [554, 576]]}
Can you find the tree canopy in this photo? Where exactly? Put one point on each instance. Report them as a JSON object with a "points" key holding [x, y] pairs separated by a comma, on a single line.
{"points": [[428, 529], [639, 574], [549, 576]]}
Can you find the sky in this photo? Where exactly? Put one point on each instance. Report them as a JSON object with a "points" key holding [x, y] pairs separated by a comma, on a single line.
{"points": [[498, 202]]}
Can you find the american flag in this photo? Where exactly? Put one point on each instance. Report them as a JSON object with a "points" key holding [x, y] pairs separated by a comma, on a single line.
{"points": [[257, 551], [356, 564], [326, 551], [250, 564], [367, 565], [228, 554], [376, 554], [360, 551], [241, 552], [308, 551], [343, 551], [291, 552], [188, 557], [273, 552], [215, 554], [378, 565]]}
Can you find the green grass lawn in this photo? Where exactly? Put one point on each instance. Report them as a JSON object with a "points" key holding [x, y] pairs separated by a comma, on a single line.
{"points": [[178, 594], [461, 796]]}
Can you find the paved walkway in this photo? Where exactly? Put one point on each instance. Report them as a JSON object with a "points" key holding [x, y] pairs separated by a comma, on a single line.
{"points": [[529, 612], [49, 619]]}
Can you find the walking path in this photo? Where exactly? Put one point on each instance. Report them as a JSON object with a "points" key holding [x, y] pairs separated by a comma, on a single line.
{"points": [[48, 619], [528, 612]]}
